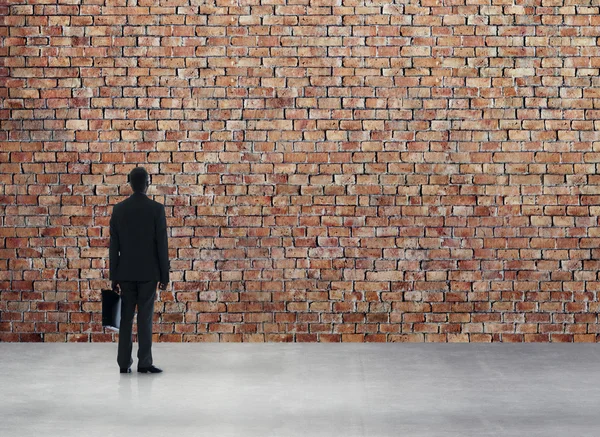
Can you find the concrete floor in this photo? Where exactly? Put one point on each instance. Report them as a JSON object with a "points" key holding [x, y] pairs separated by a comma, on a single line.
{"points": [[300, 389]]}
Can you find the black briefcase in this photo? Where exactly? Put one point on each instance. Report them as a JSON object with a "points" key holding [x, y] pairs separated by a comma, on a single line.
{"points": [[111, 309]]}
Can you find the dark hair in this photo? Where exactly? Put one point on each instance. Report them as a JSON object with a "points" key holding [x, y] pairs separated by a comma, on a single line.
{"points": [[138, 179]]}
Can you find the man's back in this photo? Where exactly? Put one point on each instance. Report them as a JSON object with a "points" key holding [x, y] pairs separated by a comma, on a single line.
{"points": [[138, 240]]}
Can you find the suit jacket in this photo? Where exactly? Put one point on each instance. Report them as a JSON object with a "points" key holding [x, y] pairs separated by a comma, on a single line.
{"points": [[138, 241]]}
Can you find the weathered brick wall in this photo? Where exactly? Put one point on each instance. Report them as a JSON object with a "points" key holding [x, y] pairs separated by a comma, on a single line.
{"points": [[332, 170]]}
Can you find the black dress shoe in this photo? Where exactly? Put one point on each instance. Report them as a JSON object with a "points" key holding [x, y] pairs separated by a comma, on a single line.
{"points": [[150, 369], [128, 370]]}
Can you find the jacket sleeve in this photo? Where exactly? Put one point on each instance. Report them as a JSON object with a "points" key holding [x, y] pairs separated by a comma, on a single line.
{"points": [[113, 251], [162, 246]]}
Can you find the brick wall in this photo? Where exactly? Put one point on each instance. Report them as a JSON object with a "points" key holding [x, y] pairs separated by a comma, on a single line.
{"points": [[332, 170]]}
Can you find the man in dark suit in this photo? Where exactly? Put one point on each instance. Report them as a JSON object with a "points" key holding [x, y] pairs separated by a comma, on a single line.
{"points": [[139, 260]]}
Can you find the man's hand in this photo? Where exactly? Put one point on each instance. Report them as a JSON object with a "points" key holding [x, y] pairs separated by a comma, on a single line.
{"points": [[116, 286], [162, 286]]}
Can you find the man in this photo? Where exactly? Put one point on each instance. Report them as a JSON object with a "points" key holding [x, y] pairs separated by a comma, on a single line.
{"points": [[139, 260]]}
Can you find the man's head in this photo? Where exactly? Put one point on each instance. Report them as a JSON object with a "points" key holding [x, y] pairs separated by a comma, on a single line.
{"points": [[139, 180]]}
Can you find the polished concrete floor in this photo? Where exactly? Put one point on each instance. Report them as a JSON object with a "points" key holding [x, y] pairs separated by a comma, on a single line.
{"points": [[299, 389]]}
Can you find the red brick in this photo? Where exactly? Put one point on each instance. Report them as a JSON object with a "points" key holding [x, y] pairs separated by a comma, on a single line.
{"points": [[401, 197]]}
